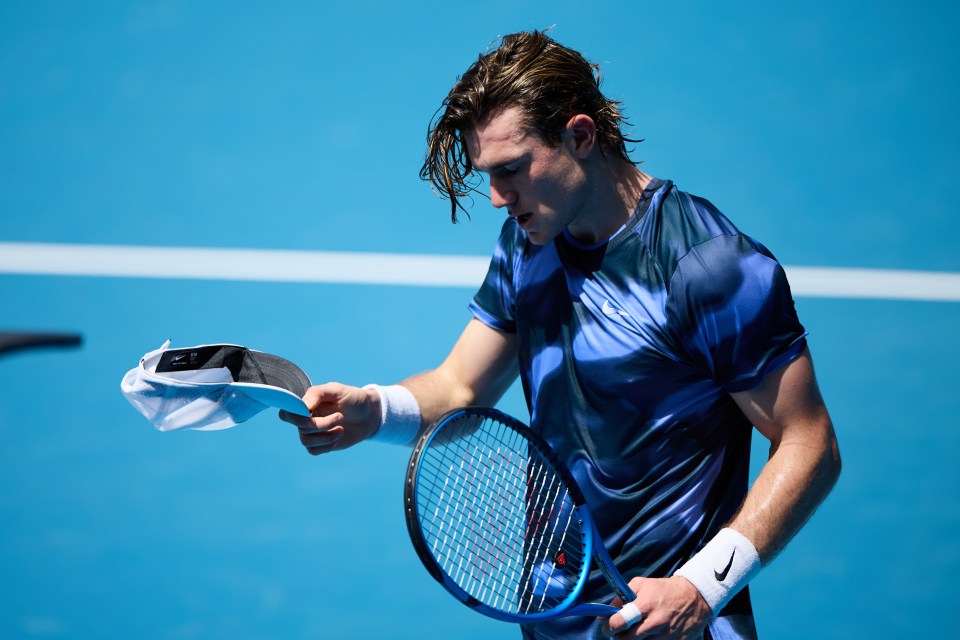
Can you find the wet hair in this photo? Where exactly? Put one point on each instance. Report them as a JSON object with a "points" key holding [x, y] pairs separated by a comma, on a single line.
{"points": [[548, 82]]}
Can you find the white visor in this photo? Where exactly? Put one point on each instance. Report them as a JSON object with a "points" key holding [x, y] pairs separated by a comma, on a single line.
{"points": [[210, 387]]}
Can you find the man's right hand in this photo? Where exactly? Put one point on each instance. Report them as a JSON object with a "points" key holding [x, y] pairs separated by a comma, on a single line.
{"points": [[340, 417]]}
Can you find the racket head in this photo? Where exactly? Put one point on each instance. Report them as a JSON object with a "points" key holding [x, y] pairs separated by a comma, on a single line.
{"points": [[496, 518]]}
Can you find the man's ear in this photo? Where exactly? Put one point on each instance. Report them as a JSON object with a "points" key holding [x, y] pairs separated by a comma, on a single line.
{"points": [[581, 133]]}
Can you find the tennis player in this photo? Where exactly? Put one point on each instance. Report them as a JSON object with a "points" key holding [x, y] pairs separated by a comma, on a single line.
{"points": [[651, 337]]}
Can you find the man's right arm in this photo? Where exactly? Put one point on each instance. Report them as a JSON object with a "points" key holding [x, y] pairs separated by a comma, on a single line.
{"points": [[479, 369]]}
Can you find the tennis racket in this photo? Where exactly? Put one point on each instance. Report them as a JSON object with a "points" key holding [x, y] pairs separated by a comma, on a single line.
{"points": [[500, 522]]}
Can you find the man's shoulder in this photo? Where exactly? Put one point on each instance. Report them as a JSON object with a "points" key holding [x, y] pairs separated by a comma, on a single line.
{"points": [[677, 223]]}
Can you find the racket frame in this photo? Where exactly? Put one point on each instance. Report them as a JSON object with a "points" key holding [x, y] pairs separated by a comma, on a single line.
{"points": [[591, 543]]}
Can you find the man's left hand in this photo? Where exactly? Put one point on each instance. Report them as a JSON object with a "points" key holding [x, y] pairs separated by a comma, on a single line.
{"points": [[672, 608]]}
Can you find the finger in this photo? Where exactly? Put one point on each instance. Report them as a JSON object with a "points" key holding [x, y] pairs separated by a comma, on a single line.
{"points": [[628, 616], [327, 422], [610, 622], [296, 420], [320, 441], [612, 625], [299, 421], [286, 416], [320, 425], [313, 423], [320, 450], [318, 395]]}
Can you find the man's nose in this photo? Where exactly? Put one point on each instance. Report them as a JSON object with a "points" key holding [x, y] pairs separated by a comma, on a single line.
{"points": [[501, 195]]}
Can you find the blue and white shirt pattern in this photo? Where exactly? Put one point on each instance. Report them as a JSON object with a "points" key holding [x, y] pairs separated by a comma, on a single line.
{"points": [[628, 352]]}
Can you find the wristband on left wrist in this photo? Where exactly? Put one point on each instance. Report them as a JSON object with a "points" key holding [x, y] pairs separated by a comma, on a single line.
{"points": [[722, 568]]}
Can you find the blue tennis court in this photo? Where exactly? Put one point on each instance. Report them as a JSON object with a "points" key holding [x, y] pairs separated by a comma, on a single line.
{"points": [[285, 143]]}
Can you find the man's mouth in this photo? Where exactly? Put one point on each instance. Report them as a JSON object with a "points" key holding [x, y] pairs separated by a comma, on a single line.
{"points": [[523, 218]]}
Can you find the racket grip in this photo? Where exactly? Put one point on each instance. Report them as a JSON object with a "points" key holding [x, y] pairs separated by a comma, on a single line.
{"points": [[631, 614]]}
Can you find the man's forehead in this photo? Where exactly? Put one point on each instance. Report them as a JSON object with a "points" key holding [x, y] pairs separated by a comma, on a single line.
{"points": [[497, 139]]}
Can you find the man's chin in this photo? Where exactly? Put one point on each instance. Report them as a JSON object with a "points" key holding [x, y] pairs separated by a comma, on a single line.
{"points": [[538, 237], [535, 238]]}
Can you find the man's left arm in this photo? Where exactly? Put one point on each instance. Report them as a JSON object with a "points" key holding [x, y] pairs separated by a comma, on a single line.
{"points": [[804, 461], [803, 466]]}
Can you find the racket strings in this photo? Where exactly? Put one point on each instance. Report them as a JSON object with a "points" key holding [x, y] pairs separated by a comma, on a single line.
{"points": [[497, 517], [470, 534], [549, 520]]}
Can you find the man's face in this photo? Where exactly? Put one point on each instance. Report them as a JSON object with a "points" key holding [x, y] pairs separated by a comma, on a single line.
{"points": [[542, 187]]}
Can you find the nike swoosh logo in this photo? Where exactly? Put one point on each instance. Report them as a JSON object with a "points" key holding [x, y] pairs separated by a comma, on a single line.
{"points": [[610, 310], [722, 575]]}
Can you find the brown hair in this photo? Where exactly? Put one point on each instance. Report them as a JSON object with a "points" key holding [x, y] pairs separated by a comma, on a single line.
{"points": [[548, 82]]}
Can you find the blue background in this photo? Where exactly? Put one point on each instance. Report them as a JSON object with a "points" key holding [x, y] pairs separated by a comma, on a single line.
{"points": [[827, 130]]}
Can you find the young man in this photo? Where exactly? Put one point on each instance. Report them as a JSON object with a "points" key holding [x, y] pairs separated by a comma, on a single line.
{"points": [[650, 335]]}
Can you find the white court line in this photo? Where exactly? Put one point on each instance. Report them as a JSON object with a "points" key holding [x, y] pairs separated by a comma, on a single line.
{"points": [[268, 265], [241, 264]]}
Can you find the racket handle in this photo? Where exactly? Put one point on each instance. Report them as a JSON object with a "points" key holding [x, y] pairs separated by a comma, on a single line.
{"points": [[631, 614], [592, 609]]}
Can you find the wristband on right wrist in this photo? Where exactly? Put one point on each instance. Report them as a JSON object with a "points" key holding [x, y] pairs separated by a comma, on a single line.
{"points": [[723, 567], [399, 414]]}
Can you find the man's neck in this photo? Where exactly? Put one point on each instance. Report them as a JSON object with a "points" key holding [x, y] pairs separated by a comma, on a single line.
{"points": [[618, 186]]}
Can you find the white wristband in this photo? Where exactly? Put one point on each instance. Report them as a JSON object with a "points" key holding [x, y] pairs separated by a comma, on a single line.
{"points": [[399, 414], [723, 567]]}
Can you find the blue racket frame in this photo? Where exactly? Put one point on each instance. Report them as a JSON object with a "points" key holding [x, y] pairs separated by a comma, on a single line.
{"points": [[592, 545]]}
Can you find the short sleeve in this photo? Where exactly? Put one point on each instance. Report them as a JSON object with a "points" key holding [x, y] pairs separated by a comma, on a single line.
{"points": [[731, 310], [495, 303]]}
